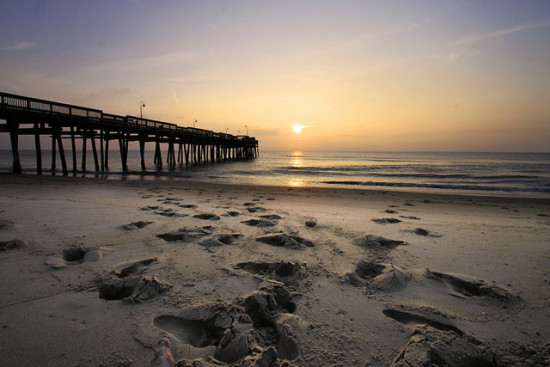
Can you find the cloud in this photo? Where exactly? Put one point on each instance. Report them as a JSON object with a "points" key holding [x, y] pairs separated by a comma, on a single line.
{"points": [[20, 46], [175, 98], [502, 32], [108, 93]]}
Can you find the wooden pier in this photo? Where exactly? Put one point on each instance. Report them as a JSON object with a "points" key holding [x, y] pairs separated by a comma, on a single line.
{"points": [[36, 117]]}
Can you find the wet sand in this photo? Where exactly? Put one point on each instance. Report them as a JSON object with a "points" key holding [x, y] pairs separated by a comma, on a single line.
{"points": [[95, 272]]}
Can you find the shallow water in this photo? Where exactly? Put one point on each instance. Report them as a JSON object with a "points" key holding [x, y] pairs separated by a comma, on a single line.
{"points": [[521, 174]]}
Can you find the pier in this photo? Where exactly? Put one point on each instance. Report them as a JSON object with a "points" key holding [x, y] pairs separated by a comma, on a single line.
{"points": [[60, 121]]}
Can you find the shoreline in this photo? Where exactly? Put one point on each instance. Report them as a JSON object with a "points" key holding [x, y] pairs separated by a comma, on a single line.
{"points": [[345, 268], [180, 182]]}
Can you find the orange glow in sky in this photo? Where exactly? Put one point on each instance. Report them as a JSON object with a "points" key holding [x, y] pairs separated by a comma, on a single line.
{"points": [[365, 76]]}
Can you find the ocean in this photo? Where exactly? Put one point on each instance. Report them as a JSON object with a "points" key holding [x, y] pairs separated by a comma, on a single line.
{"points": [[515, 174]]}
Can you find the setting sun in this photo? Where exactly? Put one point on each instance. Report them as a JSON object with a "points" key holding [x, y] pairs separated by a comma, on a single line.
{"points": [[297, 128]]}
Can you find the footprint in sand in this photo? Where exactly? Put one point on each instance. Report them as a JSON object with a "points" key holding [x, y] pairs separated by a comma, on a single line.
{"points": [[186, 234], [232, 214], [377, 241], [193, 332], [459, 295], [131, 289], [207, 216], [74, 254], [187, 206], [271, 216], [284, 240], [284, 271], [229, 332], [5, 224], [256, 209], [424, 232], [168, 212], [378, 276], [220, 240], [135, 225], [11, 245], [386, 220], [259, 223]]}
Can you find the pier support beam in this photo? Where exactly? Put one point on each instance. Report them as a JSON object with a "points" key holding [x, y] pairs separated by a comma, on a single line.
{"points": [[61, 151], [84, 148], [101, 134], [94, 150], [107, 139], [158, 154], [123, 143], [142, 151], [38, 150], [73, 147], [14, 137]]}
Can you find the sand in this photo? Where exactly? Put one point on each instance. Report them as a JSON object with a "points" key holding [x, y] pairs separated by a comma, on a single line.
{"points": [[94, 272]]}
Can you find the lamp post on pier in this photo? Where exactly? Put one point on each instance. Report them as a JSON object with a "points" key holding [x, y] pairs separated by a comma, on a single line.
{"points": [[246, 129], [141, 105], [194, 122]]}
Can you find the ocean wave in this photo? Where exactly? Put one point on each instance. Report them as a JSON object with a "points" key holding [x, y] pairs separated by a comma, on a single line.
{"points": [[353, 172], [437, 186]]}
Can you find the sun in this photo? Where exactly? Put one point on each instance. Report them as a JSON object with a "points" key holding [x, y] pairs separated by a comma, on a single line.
{"points": [[297, 128]]}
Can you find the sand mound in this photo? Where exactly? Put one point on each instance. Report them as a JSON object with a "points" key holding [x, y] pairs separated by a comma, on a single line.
{"points": [[465, 286], [422, 315], [134, 267]]}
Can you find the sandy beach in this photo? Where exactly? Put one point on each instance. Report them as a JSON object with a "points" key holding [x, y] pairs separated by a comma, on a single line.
{"points": [[94, 272]]}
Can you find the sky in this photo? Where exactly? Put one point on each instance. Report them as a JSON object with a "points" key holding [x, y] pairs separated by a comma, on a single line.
{"points": [[353, 75]]}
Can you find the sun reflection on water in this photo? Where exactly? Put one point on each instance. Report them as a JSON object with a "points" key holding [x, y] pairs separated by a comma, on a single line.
{"points": [[296, 159], [295, 182], [296, 162]]}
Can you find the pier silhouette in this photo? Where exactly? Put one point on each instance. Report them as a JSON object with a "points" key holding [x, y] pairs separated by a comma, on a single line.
{"points": [[37, 117]]}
